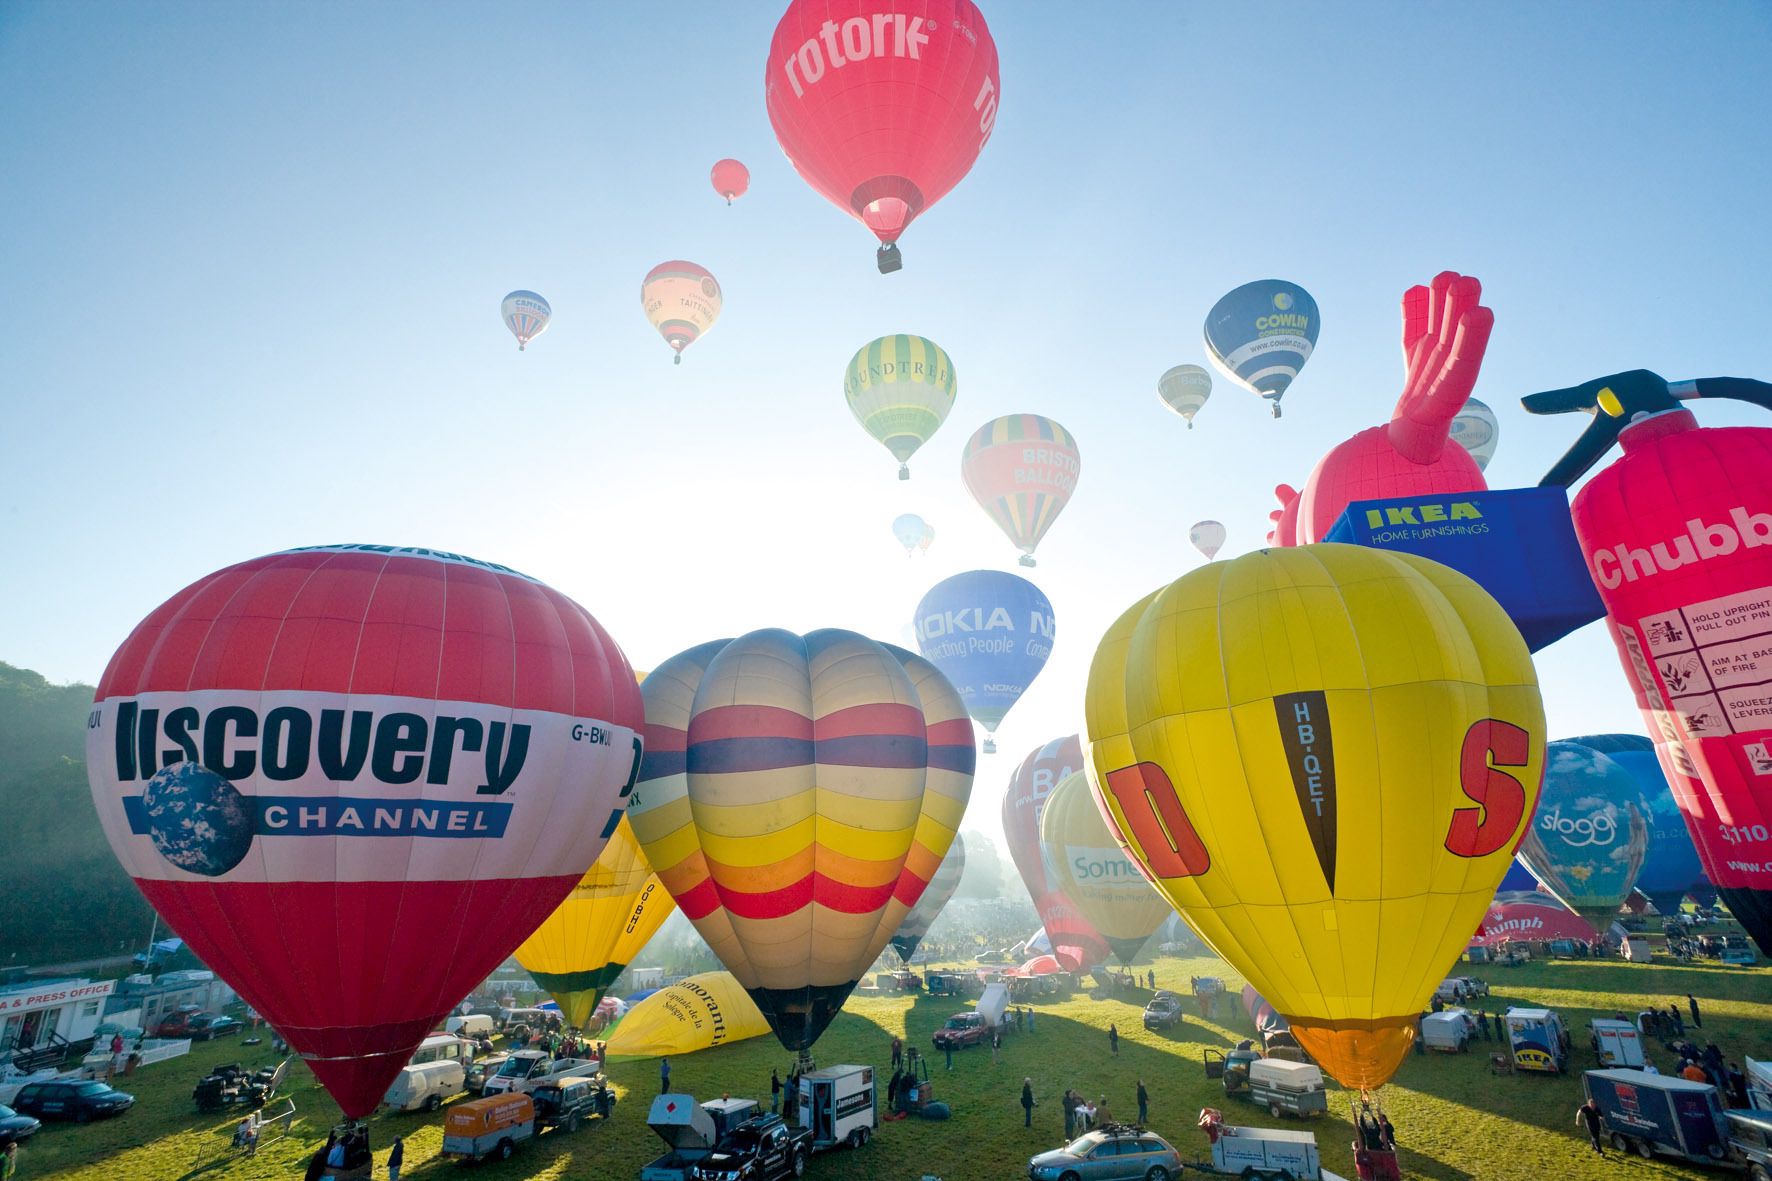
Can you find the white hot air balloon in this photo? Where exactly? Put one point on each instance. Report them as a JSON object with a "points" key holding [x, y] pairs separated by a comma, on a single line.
{"points": [[526, 315], [1208, 537], [909, 528], [1476, 430], [1184, 389]]}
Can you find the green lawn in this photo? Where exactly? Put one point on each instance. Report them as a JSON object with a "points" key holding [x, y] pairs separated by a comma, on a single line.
{"points": [[1454, 1119]]}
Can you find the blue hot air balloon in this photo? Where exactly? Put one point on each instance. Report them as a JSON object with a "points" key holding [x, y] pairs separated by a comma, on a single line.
{"points": [[1671, 869], [1590, 835], [1519, 880], [1261, 334], [990, 634]]}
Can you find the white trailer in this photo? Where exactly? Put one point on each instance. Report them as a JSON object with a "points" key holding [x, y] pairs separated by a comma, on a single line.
{"points": [[837, 1104], [1616, 1042], [1267, 1152]]}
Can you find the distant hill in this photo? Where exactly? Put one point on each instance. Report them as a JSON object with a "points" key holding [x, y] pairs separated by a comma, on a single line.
{"points": [[62, 894]]}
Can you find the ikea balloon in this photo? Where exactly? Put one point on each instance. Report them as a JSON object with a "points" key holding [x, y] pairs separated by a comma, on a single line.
{"points": [[696, 1013], [882, 105], [591, 938], [1184, 389], [1102, 882], [909, 528], [1022, 470], [1476, 430], [1310, 750], [732, 179], [941, 888], [526, 314], [900, 388], [1261, 334], [1590, 834], [1070, 935], [1207, 537], [682, 300], [352, 777], [798, 794], [990, 634]]}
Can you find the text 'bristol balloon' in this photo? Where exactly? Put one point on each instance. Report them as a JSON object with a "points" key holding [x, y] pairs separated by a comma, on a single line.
{"points": [[1022, 470], [882, 105], [353, 777], [1069, 933], [929, 907], [682, 300], [526, 314], [1312, 751], [731, 179], [990, 634], [900, 388], [1095, 873], [1207, 537], [1590, 833], [1261, 334], [1184, 389]]}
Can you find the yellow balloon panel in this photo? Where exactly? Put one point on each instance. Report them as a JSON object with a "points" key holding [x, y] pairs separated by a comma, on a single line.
{"points": [[1103, 883], [1325, 756], [696, 1013]]}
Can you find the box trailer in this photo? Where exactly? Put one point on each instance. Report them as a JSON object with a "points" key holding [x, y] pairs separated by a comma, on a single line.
{"points": [[1661, 1114], [1537, 1040], [1448, 1031], [1292, 1088], [1635, 949], [837, 1104], [1617, 1043]]}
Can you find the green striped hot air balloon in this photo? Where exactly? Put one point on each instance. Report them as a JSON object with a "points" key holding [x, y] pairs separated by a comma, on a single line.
{"points": [[900, 388]]}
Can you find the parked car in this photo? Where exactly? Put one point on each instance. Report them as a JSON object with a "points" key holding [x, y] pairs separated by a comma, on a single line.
{"points": [[203, 1027], [78, 1100], [567, 1103], [1163, 1012], [764, 1148], [479, 1072], [1113, 1153], [178, 1022], [15, 1127], [962, 1030]]}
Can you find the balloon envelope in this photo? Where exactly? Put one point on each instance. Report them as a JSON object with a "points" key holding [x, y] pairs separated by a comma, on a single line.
{"points": [[526, 314], [1475, 429], [1207, 537], [1309, 750], [1261, 334], [1185, 389], [696, 1013], [731, 179], [682, 300], [1590, 834], [1671, 868], [1022, 470], [317, 764], [1102, 882], [1531, 916], [900, 389], [929, 907], [909, 529], [990, 634], [1072, 937]]}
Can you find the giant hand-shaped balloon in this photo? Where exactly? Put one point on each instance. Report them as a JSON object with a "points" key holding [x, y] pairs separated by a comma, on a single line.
{"points": [[1445, 334]]}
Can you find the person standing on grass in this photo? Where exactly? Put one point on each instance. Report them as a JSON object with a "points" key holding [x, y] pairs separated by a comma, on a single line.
{"points": [[996, 1046], [774, 1092], [1027, 1102], [1697, 1021], [1030, 1020], [947, 1048], [1588, 1116], [1069, 1103], [664, 1075], [897, 1053], [1144, 1104], [396, 1158], [1114, 1039]]}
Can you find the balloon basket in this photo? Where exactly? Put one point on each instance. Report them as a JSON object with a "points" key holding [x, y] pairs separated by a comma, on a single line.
{"points": [[904, 471], [1027, 559], [677, 360], [889, 259], [990, 746]]}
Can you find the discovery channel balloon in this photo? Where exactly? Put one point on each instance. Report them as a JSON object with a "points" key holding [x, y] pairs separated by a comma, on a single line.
{"points": [[882, 105], [353, 777], [682, 300], [1022, 470], [1184, 389], [1207, 537], [591, 937], [1102, 882], [526, 314], [990, 634], [910, 529], [1311, 750], [1671, 868], [941, 888], [1475, 429], [900, 389], [1261, 334], [1070, 935], [796, 796], [1590, 834], [731, 179], [696, 1013]]}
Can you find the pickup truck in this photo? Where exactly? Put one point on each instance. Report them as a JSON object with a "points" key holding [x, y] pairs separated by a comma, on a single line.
{"points": [[962, 1030], [528, 1069], [763, 1148]]}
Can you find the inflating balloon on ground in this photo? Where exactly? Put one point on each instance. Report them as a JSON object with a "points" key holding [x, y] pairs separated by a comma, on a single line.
{"points": [[696, 1013], [1590, 833], [1071, 936], [1102, 882]]}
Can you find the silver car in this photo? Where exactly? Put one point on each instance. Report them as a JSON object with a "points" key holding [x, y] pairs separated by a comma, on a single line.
{"points": [[1114, 1153]]}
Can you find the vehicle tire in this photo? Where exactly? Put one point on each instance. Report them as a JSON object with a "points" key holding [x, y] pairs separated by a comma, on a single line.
{"points": [[1759, 1173], [433, 1103], [799, 1169], [572, 1122], [1618, 1142], [505, 1149], [1645, 1149], [1069, 1177], [81, 1115], [1273, 1109], [1157, 1173]]}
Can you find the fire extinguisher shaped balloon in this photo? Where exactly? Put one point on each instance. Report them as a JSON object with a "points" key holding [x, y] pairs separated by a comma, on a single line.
{"points": [[1678, 537]]}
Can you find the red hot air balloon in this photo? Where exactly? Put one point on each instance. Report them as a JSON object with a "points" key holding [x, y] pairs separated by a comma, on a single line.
{"points": [[732, 179], [354, 777], [882, 105], [1074, 940]]}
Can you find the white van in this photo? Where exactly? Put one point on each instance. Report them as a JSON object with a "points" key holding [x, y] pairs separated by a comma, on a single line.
{"points": [[426, 1086], [471, 1025], [528, 1069]]}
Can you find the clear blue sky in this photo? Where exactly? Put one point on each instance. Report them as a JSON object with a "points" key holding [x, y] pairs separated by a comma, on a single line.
{"points": [[251, 258]]}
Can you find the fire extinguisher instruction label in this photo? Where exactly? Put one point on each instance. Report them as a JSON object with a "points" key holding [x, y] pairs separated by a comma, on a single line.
{"points": [[1713, 664]]}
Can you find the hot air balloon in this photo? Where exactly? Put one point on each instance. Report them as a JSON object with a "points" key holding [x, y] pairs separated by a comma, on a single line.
{"points": [[882, 106], [697, 1013], [1102, 882], [990, 634], [1476, 430], [1185, 389], [1531, 916], [1070, 935], [923, 915], [926, 538], [732, 179], [593, 936], [798, 794], [1022, 470], [900, 388], [1517, 880], [909, 528], [1236, 719], [526, 314], [1590, 834], [314, 763], [1671, 868], [682, 300], [1261, 334], [1207, 537]]}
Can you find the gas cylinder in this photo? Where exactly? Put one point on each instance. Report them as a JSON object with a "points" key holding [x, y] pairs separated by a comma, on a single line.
{"points": [[1677, 535]]}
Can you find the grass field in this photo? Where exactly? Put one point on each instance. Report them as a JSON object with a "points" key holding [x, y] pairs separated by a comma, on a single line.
{"points": [[1453, 1118]]}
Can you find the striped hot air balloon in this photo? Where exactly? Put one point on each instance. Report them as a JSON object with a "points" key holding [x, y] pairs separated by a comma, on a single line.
{"points": [[1261, 334], [526, 314], [1022, 470], [797, 794], [929, 907], [900, 388], [682, 300]]}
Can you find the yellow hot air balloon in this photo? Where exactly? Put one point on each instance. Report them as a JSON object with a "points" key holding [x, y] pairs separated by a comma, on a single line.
{"points": [[696, 1013], [1324, 756], [900, 388], [1103, 883], [682, 300], [581, 948]]}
